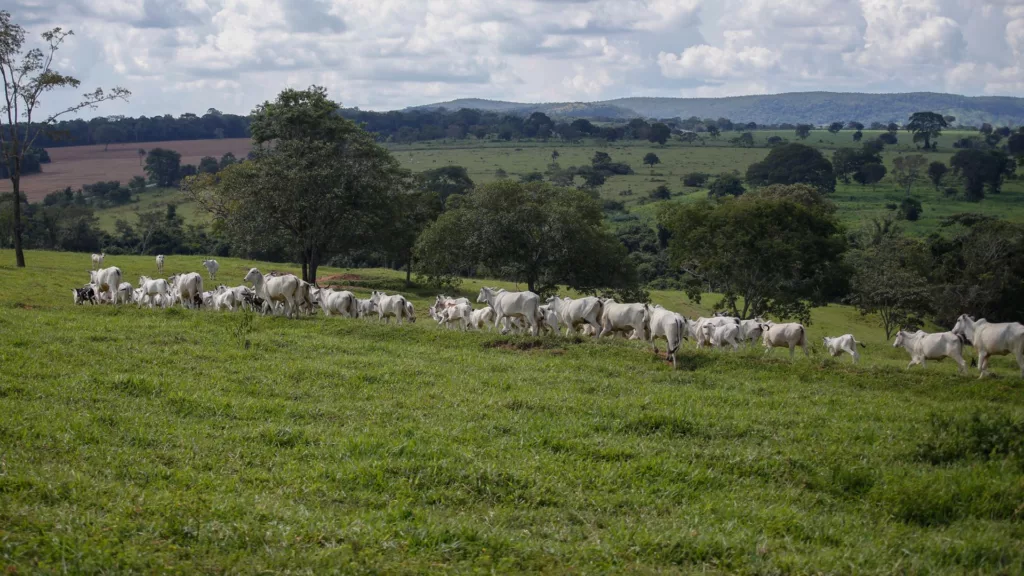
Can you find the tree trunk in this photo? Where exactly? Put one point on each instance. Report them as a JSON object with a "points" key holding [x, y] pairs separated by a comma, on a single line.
{"points": [[305, 260], [408, 272], [19, 253], [314, 263]]}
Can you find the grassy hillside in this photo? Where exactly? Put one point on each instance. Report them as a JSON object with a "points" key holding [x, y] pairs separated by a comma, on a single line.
{"points": [[151, 199], [810, 107], [179, 441]]}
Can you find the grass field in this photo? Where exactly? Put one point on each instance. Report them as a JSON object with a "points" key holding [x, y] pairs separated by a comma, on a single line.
{"points": [[179, 441], [151, 199]]}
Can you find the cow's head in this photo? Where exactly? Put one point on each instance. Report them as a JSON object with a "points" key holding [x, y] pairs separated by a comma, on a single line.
{"points": [[252, 275], [485, 294], [901, 337]]}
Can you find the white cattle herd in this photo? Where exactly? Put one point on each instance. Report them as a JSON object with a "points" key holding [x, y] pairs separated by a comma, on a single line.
{"points": [[507, 311]]}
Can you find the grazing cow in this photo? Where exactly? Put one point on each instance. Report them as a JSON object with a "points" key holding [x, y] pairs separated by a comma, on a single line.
{"points": [[482, 317], [574, 313], [83, 295], [387, 306], [97, 260], [152, 291], [211, 268], [784, 336], [923, 346], [186, 288], [625, 318], [304, 297], [512, 305], [364, 308], [340, 302], [273, 289], [845, 343], [107, 280], [992, 340], [702, 336], [725, 334], [670, 326], [459, 313], [124, 294], [160, 263]]}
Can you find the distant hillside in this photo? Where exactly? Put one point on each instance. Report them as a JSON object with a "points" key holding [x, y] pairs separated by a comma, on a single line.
{"points": [[810, 107]]}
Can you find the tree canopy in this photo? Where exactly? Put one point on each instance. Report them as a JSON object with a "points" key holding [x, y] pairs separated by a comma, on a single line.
{"points": [[926, 126], [767, 255], [529, 232], [793, 163]]}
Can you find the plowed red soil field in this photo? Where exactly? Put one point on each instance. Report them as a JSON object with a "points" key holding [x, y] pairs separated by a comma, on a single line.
{"points": [[77, 165]]}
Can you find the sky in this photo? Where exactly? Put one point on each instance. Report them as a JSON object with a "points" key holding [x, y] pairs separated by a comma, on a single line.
{"points": [[181, 56]]}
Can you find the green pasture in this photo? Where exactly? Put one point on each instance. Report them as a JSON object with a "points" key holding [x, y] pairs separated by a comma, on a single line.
{"points": [[195, 442]]}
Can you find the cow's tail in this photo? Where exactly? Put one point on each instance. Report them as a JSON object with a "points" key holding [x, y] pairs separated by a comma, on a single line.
{"points": [[646, 321], [803, 335], [681, 331], [859, 343]]}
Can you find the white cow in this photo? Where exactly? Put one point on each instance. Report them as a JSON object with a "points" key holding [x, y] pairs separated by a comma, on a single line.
{"points": [[107, 281], [725, 334], [547, 318], [670, 326], [574, 313], [845, 343], [750, 330], [187, 288], [281, 289], [992, 340], [482, 317], [512, 305], [460, 314], [97, 260], [387, 306], [211, 268], [788, 335], [364, 308], [443, 301], [304, 296], [124, 293], [341, 302], [152, 291], [160, 263], [923, 346], [625, 318], [702, 336]]}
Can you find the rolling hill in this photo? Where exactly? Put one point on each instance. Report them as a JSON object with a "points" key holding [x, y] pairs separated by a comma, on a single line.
{"points": [[810, 107]]}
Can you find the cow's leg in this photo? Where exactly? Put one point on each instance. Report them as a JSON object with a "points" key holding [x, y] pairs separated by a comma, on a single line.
{"points": [[982, 364], [792, 350], [1020, 360]]}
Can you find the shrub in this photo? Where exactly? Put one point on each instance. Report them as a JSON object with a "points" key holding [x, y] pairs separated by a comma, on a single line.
{"points": [[910, 209], [661, 193], [695, 179]]}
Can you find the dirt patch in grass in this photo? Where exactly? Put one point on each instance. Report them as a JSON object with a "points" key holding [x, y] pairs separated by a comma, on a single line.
{"points": [[521, 344], [338, 278]]}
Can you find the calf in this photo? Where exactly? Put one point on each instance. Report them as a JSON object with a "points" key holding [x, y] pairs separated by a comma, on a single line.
{"points": [[923, 346], [97, 261], [83, 295], [845, 343], [456, 314], [482, 317]]}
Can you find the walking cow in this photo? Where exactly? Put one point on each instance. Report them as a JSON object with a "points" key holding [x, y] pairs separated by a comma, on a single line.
{"points": [[992, 340]]}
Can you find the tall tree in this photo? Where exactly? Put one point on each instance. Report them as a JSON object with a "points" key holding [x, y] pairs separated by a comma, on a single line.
{"points": [[889, 279], [978, 169], [324, 187], [926, 126], [533, 232], [444, 181], [907, 170], [766, 255], [793, 163], [803, 130], [27, 76], [163, 167], [650, 159], [835, 127], [936, 172], [659, 133]]}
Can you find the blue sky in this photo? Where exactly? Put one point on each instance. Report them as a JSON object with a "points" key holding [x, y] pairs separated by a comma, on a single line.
{"points": [[191, 55]]}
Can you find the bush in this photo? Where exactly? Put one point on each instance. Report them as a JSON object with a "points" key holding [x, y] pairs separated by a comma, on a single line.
{"points": [[910, 209], [695, 179], [661, 193], [613, 206], [626, 192], [726, 185]]}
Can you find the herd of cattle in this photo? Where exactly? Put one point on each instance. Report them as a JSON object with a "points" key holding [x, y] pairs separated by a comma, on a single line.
{"points": [[522, 311]]}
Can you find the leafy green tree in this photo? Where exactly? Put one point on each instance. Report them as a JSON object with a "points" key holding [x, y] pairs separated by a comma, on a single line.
{"points": [[661, 193], [744, 140], [793, 164], [27, 77], [142, 155], [208, 165], [893, 127], [447, 181], [532, 232], [936, 172], [554, 156], [870, 174], [889, 279], [659, 133], [713, 131], [889, 138], [803, 130], [227, 160], [325, 186], [985, 129], [163, 167], [767, 256], [534, 176], [651, 159], [726, 184], [835, 127], [1016, 145], [926, 127], [854, 125], [858, 136], [695, 179], [600, 159], [978, 169], [910, 209], [137, 183], [908, 170]]}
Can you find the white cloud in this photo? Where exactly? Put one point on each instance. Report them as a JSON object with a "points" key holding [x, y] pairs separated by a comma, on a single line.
{"points": [[385, 54]]}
